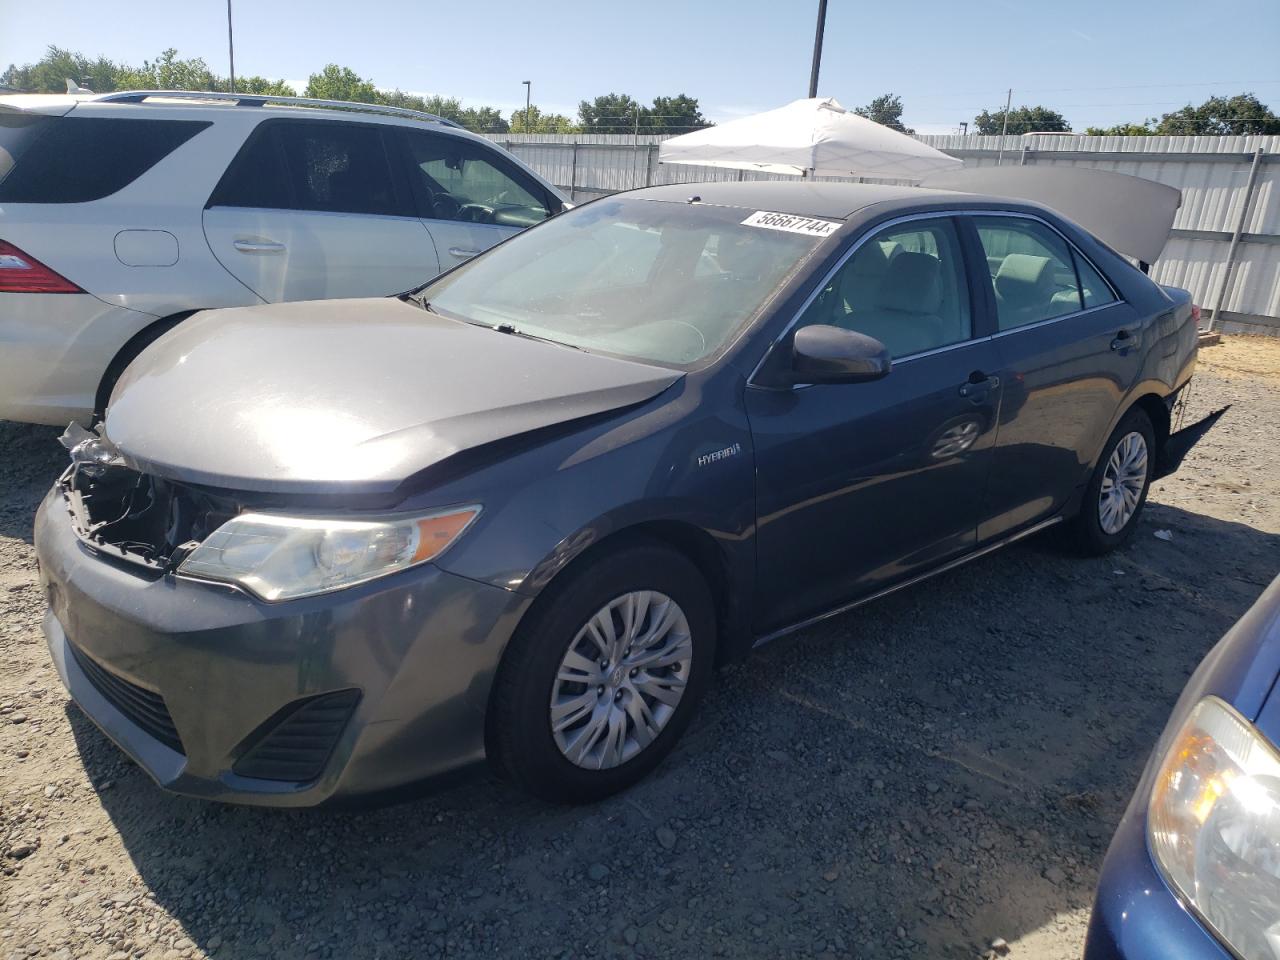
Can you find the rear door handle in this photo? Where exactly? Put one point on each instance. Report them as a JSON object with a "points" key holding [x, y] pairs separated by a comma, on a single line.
{"points": [[978, 386], [258, 246], [462, 252], [1124, 340]]}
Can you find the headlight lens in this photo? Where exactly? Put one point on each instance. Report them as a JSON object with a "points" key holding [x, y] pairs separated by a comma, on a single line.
{"points": [[1214, 827], [281, 558]]}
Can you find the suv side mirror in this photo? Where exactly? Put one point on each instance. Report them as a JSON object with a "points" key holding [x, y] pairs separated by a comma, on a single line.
{"points": [[825, 354]]}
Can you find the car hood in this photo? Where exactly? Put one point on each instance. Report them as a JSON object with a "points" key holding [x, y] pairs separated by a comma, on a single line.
{"points": [[348, 395]]}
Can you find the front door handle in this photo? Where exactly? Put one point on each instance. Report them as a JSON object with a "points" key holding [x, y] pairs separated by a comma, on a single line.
{"points": [[462, 252], [258, 246]]}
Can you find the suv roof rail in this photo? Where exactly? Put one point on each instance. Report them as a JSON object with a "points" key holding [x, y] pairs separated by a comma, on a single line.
{"points": [[262, 99]]}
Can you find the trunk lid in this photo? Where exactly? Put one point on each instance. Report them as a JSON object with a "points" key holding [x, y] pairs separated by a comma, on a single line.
{"points": [[348, 395]]}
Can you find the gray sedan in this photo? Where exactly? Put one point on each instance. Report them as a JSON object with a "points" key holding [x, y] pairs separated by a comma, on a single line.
{"points": [[325, 549]]}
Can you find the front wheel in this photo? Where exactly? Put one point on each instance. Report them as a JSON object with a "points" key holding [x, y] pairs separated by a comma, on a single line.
{"points": [[1117, 491], [596, 689]]}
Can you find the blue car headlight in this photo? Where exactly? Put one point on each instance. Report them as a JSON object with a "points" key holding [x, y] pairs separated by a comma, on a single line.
{"points": [[1214, 827]]}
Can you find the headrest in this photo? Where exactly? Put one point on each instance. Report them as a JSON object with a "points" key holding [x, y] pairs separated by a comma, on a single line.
{"points": [[1024, 278], [913, 284], [861, 279]]}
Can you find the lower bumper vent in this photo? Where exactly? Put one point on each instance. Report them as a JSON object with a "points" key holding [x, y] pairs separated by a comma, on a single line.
{"points": [[144, 707], [295, 744]]}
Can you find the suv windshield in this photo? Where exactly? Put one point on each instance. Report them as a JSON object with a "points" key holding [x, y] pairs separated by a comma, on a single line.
{"points": [[650, 280]]}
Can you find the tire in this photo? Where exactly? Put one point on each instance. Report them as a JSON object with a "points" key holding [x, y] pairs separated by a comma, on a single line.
{"points": [[1095, 531], [537, 669]]}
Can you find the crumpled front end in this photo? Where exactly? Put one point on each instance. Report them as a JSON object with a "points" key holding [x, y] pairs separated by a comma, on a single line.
{"points": [[219, 694]]}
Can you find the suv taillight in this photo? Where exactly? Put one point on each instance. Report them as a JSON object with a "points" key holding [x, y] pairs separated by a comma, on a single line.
{"points": [[20, 273]]}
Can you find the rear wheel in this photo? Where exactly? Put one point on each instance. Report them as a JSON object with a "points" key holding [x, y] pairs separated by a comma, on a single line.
{"points": [[127, 354], [596, 689], [1117, 491]]}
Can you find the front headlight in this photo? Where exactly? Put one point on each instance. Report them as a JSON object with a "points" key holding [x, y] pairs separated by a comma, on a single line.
{"points": [[1214, 827], [280, 558]]}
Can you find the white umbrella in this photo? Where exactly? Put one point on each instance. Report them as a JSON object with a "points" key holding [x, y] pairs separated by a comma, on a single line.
{"points": [[815, 138]]}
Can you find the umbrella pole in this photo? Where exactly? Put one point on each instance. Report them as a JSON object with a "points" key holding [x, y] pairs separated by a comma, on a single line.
{"points": [[817, 49]]}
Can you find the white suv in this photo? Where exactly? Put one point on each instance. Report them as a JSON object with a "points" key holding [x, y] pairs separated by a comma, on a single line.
{"points": [[122, 214]]}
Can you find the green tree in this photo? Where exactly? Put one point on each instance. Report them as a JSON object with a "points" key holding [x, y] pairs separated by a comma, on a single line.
{"points": [[1022, 120], [484, 120], [169, 72], [886, 110], [341, 83], [539, 122], [274, 88], [1122, 130], [1220, 116], [50, 73], [673, 115], [612, 113], [448, 107]]}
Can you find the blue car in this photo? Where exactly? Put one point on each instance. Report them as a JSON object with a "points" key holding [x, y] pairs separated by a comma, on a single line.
{"points": [[1194, 869]]}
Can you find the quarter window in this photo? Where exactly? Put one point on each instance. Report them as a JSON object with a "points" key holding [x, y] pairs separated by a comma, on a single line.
{"points": [[78, 159], [1032, 271], [905, 286], [463, 180], [312, 165], [1093, 289]]}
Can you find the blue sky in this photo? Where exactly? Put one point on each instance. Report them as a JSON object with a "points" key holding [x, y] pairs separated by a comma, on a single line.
{"points": [[1097, 62]]}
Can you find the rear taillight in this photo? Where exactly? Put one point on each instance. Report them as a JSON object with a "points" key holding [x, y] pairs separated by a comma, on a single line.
{"points": [[1195, 313], [21, 273]]}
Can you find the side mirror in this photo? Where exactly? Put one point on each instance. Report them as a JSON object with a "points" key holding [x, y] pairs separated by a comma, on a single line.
{"points": [[825, 354]]}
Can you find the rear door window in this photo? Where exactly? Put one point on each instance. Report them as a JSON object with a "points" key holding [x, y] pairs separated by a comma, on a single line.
{"points": [[78, 159], [1031, 269], [313, 165]]}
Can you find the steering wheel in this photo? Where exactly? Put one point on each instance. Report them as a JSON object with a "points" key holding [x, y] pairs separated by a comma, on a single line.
{"points": [[445, 207], [476, 213]]}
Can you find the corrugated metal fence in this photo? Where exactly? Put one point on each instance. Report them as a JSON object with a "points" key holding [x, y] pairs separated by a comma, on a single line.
{"points": [[1226, 239]]}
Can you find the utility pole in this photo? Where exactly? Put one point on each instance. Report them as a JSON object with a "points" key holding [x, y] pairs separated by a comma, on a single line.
{"points": [[817, 49], [528, 104], [231, 48], [1004, 127]]}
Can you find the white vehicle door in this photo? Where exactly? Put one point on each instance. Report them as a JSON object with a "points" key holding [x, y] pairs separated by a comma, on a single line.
{"points": [[314, 210], [471, 195]]}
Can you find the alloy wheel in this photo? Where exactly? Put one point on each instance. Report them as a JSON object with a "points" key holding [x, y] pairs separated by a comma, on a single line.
{"points": [[1122, 483], [621, 680]]}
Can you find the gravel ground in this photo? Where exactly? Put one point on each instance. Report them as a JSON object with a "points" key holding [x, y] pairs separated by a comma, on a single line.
{"points": [[937, 770]]}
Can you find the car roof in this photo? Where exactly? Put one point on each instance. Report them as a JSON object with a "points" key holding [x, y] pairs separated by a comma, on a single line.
{"points": [[199, 103], [803, 198]]}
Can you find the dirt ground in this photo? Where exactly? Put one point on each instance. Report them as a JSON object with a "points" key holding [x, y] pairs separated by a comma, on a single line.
{"points": [[933, 771]]}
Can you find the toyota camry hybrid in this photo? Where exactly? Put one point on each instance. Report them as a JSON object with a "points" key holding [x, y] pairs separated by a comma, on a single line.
{"points": [[324, 549]]}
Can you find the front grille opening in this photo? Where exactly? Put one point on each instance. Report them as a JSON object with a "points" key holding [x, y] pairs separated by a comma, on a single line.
{"points": [[295, 743], [137, 517], [145, 708]]}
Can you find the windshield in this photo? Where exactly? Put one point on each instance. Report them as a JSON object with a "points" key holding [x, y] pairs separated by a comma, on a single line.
{"points": [[650, 280]]}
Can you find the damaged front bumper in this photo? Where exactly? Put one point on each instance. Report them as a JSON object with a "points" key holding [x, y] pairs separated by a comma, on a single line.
{"points": [[219, 695]]}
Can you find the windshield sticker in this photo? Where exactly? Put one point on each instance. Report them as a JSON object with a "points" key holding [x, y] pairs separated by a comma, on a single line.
{"points": [[791, 224]]}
